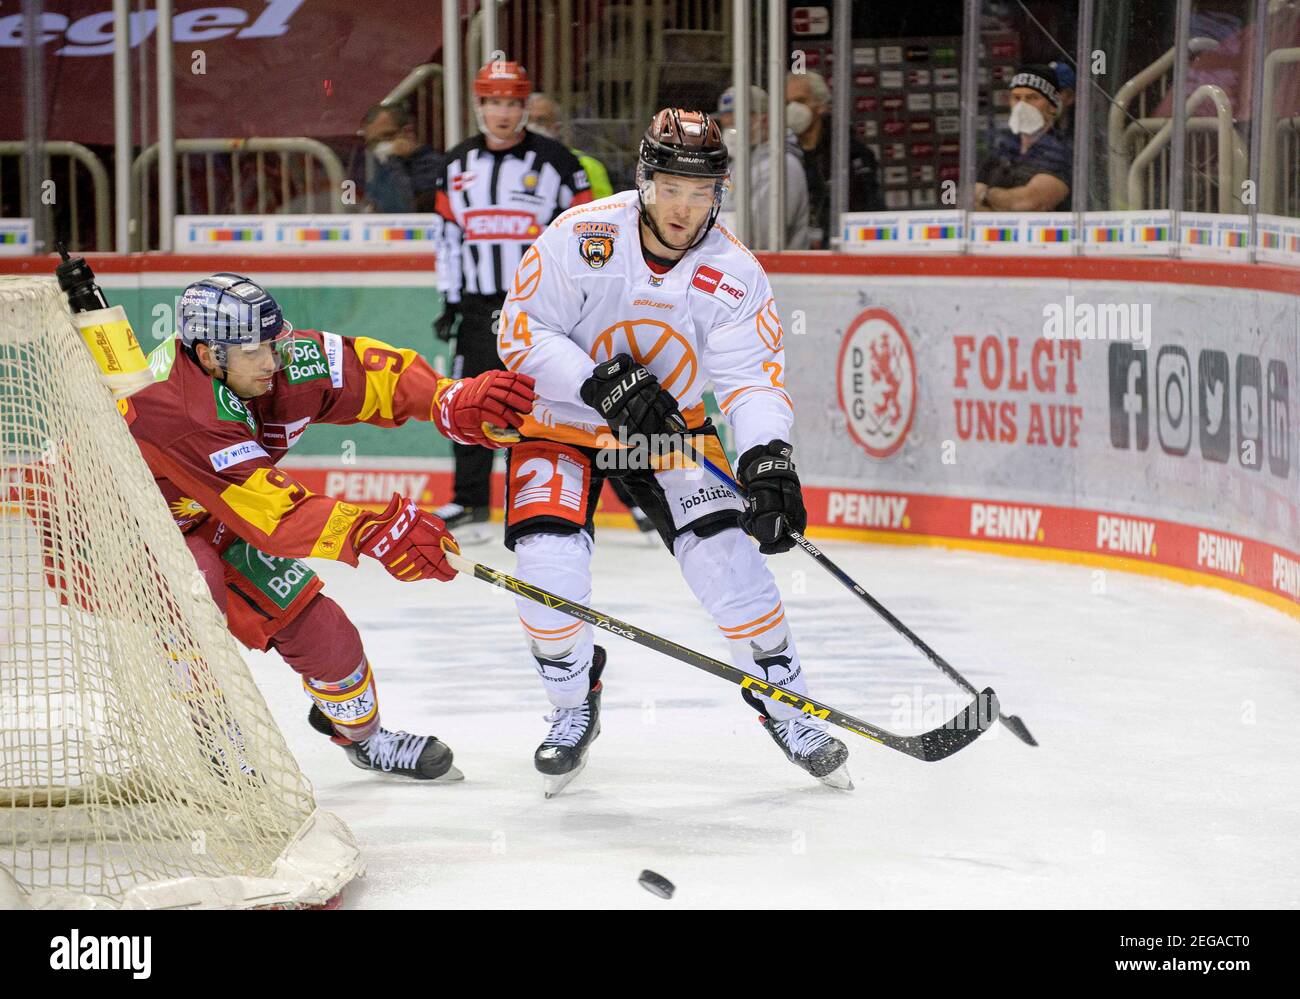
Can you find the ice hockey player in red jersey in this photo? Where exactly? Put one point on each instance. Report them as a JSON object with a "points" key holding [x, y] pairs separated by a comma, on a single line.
{"points": [[625, 311], [233, 392]]}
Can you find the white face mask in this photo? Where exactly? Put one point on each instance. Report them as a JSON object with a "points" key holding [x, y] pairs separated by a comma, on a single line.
{"points": [[798, 117], [1026, 119], [731, 139], [383, 150], [537, 129]]}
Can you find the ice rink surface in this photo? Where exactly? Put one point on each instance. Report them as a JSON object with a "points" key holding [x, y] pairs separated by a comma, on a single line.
{"points": [[1166, 774]]}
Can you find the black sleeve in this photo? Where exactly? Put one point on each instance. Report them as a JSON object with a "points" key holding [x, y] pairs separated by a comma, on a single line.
{"points": [[864, 180]]}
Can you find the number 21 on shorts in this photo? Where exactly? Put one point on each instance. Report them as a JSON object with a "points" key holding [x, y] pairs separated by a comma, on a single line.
{"points": [[548, 480]]}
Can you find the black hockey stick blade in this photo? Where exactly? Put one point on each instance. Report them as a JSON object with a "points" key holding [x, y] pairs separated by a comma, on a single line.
{"points": [[1019, 729], [959, 731]]}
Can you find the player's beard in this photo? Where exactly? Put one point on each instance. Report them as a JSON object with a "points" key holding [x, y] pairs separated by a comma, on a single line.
{"points": [[661, 231]]}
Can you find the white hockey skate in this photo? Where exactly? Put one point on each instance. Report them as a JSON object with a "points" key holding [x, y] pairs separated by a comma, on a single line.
{"points": [[807, 746], [563, 753]]}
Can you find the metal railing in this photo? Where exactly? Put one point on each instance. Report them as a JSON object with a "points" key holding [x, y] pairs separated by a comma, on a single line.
{"points": [[223, 188], [1278, 158], [1286, 190], [72, 153], [421, 90], [1216, 158], [1147, 87]]}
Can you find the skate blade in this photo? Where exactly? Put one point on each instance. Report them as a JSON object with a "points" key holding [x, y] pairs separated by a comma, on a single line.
{"points": [[554, 784], [838, 778], [452, 775], [473, 534]]}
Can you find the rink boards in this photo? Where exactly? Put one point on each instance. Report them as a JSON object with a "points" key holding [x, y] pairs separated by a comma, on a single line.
{"points": [[1137, 414]]}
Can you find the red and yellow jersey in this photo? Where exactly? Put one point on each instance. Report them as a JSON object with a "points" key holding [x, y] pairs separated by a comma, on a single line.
{"points": [[584, 293], [212, 453]]}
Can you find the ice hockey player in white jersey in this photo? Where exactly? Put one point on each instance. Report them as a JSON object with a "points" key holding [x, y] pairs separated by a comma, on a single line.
{"points": [[625, 311]]}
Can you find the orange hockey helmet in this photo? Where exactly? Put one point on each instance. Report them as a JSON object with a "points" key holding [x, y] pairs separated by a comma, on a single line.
{"points": [[503, 79]]}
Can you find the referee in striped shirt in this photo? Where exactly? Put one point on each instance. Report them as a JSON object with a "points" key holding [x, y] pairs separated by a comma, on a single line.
{"points": [[496, 194]]}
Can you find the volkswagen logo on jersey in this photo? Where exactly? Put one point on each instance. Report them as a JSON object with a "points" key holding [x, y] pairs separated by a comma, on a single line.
{"points": [[596, 242]]}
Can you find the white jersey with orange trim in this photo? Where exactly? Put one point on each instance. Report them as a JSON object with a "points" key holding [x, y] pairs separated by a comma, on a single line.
{"points": [[583, 293]]}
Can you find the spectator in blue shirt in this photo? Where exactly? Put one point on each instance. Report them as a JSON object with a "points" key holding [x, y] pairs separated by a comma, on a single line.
{"points": [[1030, 167]]}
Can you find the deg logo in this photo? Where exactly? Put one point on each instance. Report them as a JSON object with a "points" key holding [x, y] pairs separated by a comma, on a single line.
{"points": [[877, 382]]}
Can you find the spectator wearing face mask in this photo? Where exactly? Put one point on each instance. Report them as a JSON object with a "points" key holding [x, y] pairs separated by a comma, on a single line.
{"points": [[808, 114], [1030, 168], [544, 119], [405, 174], [797, 236]]}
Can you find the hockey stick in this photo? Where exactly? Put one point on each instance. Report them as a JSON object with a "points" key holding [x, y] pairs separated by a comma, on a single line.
{"points": [[1013, 722], [938, 743]]}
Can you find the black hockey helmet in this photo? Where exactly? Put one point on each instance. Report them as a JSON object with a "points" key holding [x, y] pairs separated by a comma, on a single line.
{"points": [[685, 144]]}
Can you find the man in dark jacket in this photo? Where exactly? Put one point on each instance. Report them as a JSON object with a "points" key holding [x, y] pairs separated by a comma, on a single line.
{"points": [[406, 173], [810, 90]]}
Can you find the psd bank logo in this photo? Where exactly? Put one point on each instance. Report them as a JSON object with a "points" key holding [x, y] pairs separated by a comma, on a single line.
{"points": [[877, 382], [1201, 405]]}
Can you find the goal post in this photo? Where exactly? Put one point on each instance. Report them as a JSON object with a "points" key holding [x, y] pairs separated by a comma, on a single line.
{"points": [[139, 764]]}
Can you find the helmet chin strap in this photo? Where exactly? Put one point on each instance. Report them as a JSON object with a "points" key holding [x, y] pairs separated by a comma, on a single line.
{"points": [[482, 125]]}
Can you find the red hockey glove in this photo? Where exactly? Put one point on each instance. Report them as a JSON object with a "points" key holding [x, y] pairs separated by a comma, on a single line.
{"points": [[486, 410], [408, 542]]}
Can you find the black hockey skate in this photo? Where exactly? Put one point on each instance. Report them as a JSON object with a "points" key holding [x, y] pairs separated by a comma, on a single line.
{"points": [[807, 747], [472, 525], [419, 757], [563, 753]]}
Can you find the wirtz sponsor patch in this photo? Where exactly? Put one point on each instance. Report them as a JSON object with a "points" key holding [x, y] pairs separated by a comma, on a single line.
{"points": [[236, 454]]}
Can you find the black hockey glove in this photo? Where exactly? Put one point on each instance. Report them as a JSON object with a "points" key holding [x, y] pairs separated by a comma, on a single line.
{"points": [[445, 326], [769, 478], [631, 399]]}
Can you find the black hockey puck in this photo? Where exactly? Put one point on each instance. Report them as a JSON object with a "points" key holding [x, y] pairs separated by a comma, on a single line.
{"points": [[656, 884]]}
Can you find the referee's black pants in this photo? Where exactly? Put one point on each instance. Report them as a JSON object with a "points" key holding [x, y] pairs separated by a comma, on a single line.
{"points": [[476, 352]]}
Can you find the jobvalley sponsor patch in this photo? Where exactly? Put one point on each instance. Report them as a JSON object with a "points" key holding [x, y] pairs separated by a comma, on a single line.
{"points": [[236, 454], [867, 510], [727, 288], [703, 500], [1126, 535], [1006, 523]]}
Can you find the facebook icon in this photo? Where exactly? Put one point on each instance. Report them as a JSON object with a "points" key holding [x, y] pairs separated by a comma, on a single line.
{"points": [[1129, 420]]}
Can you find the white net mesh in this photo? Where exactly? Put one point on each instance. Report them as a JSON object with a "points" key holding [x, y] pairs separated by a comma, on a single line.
{"points": [[139, 764]]}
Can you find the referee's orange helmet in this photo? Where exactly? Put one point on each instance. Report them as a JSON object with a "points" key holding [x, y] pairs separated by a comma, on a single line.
{"points": [[503, 79]]}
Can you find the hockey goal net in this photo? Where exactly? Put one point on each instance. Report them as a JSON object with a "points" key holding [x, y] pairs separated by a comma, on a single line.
{"points": [[139, 765]]}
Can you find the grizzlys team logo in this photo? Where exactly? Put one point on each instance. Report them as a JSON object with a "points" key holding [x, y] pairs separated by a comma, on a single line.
{"points": [[596, 242], [877, 375]]}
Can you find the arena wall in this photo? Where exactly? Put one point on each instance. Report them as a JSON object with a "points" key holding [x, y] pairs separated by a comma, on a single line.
{"points": [[1131, 414]]}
